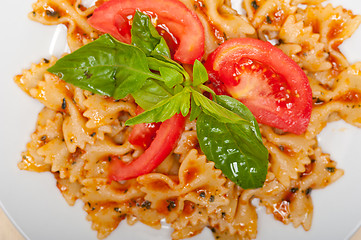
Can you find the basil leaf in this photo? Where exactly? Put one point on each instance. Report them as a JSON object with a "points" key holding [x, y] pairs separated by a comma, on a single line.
{"points": [[195, 110], [213, 109], [165, 109], [178, 89], [161, 49], [234, 149], [105, 66], [200, 74], [207, 89], [151, 93], [146, 37], [156, 62], [171, 76], [186, 103], [240, 109]]}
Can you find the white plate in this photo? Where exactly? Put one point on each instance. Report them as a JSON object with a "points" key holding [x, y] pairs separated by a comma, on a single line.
{"points": [[37, 208]]}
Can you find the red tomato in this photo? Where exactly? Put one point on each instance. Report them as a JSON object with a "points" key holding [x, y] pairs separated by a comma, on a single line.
{"points": [[143, 134], [179, 25], [165, 141], [274, 88]]}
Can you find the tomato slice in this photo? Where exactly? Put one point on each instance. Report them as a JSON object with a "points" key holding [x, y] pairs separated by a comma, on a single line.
{"points": [[174, 20], [274, 88], [143, 134], [165, 141]]}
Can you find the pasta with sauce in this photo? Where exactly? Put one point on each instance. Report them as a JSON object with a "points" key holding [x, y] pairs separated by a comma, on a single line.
{"points": [[77, 131]]}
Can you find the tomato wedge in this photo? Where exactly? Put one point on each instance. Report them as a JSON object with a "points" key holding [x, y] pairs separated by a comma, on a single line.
{"points": [[174, 20], [164, 142], [143, 134], [274, 88]]}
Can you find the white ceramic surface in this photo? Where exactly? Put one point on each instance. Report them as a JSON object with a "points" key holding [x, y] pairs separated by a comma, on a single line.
{"points": [[37, 208]]}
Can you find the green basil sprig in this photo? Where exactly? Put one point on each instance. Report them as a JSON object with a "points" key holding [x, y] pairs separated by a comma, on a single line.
{"points": [[227, 131], [235, 148], [106, 67]]}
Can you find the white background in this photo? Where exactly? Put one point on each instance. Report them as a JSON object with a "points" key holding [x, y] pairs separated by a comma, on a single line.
{"points": [[37, 208]]}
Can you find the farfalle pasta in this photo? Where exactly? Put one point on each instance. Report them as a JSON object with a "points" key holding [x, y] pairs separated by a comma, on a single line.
{"points": [[78, 132]]}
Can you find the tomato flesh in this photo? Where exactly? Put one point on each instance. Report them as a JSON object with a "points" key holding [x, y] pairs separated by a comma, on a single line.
{"points": [[164, 142], [143, 134], [267, 81], [182, 28]]}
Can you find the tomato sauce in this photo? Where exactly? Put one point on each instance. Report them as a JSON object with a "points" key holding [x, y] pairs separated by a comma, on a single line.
{"points": [[309, 167], [352, 96], [188, 208], [336, 66], [336, 29], [218, 34], [279, 17], [190, 174], [160, 186], [287, 150]]}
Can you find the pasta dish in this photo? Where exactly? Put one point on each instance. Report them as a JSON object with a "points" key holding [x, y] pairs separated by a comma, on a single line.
{"points": [[143, 120]]}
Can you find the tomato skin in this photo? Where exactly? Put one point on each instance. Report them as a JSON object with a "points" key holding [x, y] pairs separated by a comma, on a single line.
{"points": [[111, 17], [143, 134], [266, 80], [165, 141]]}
